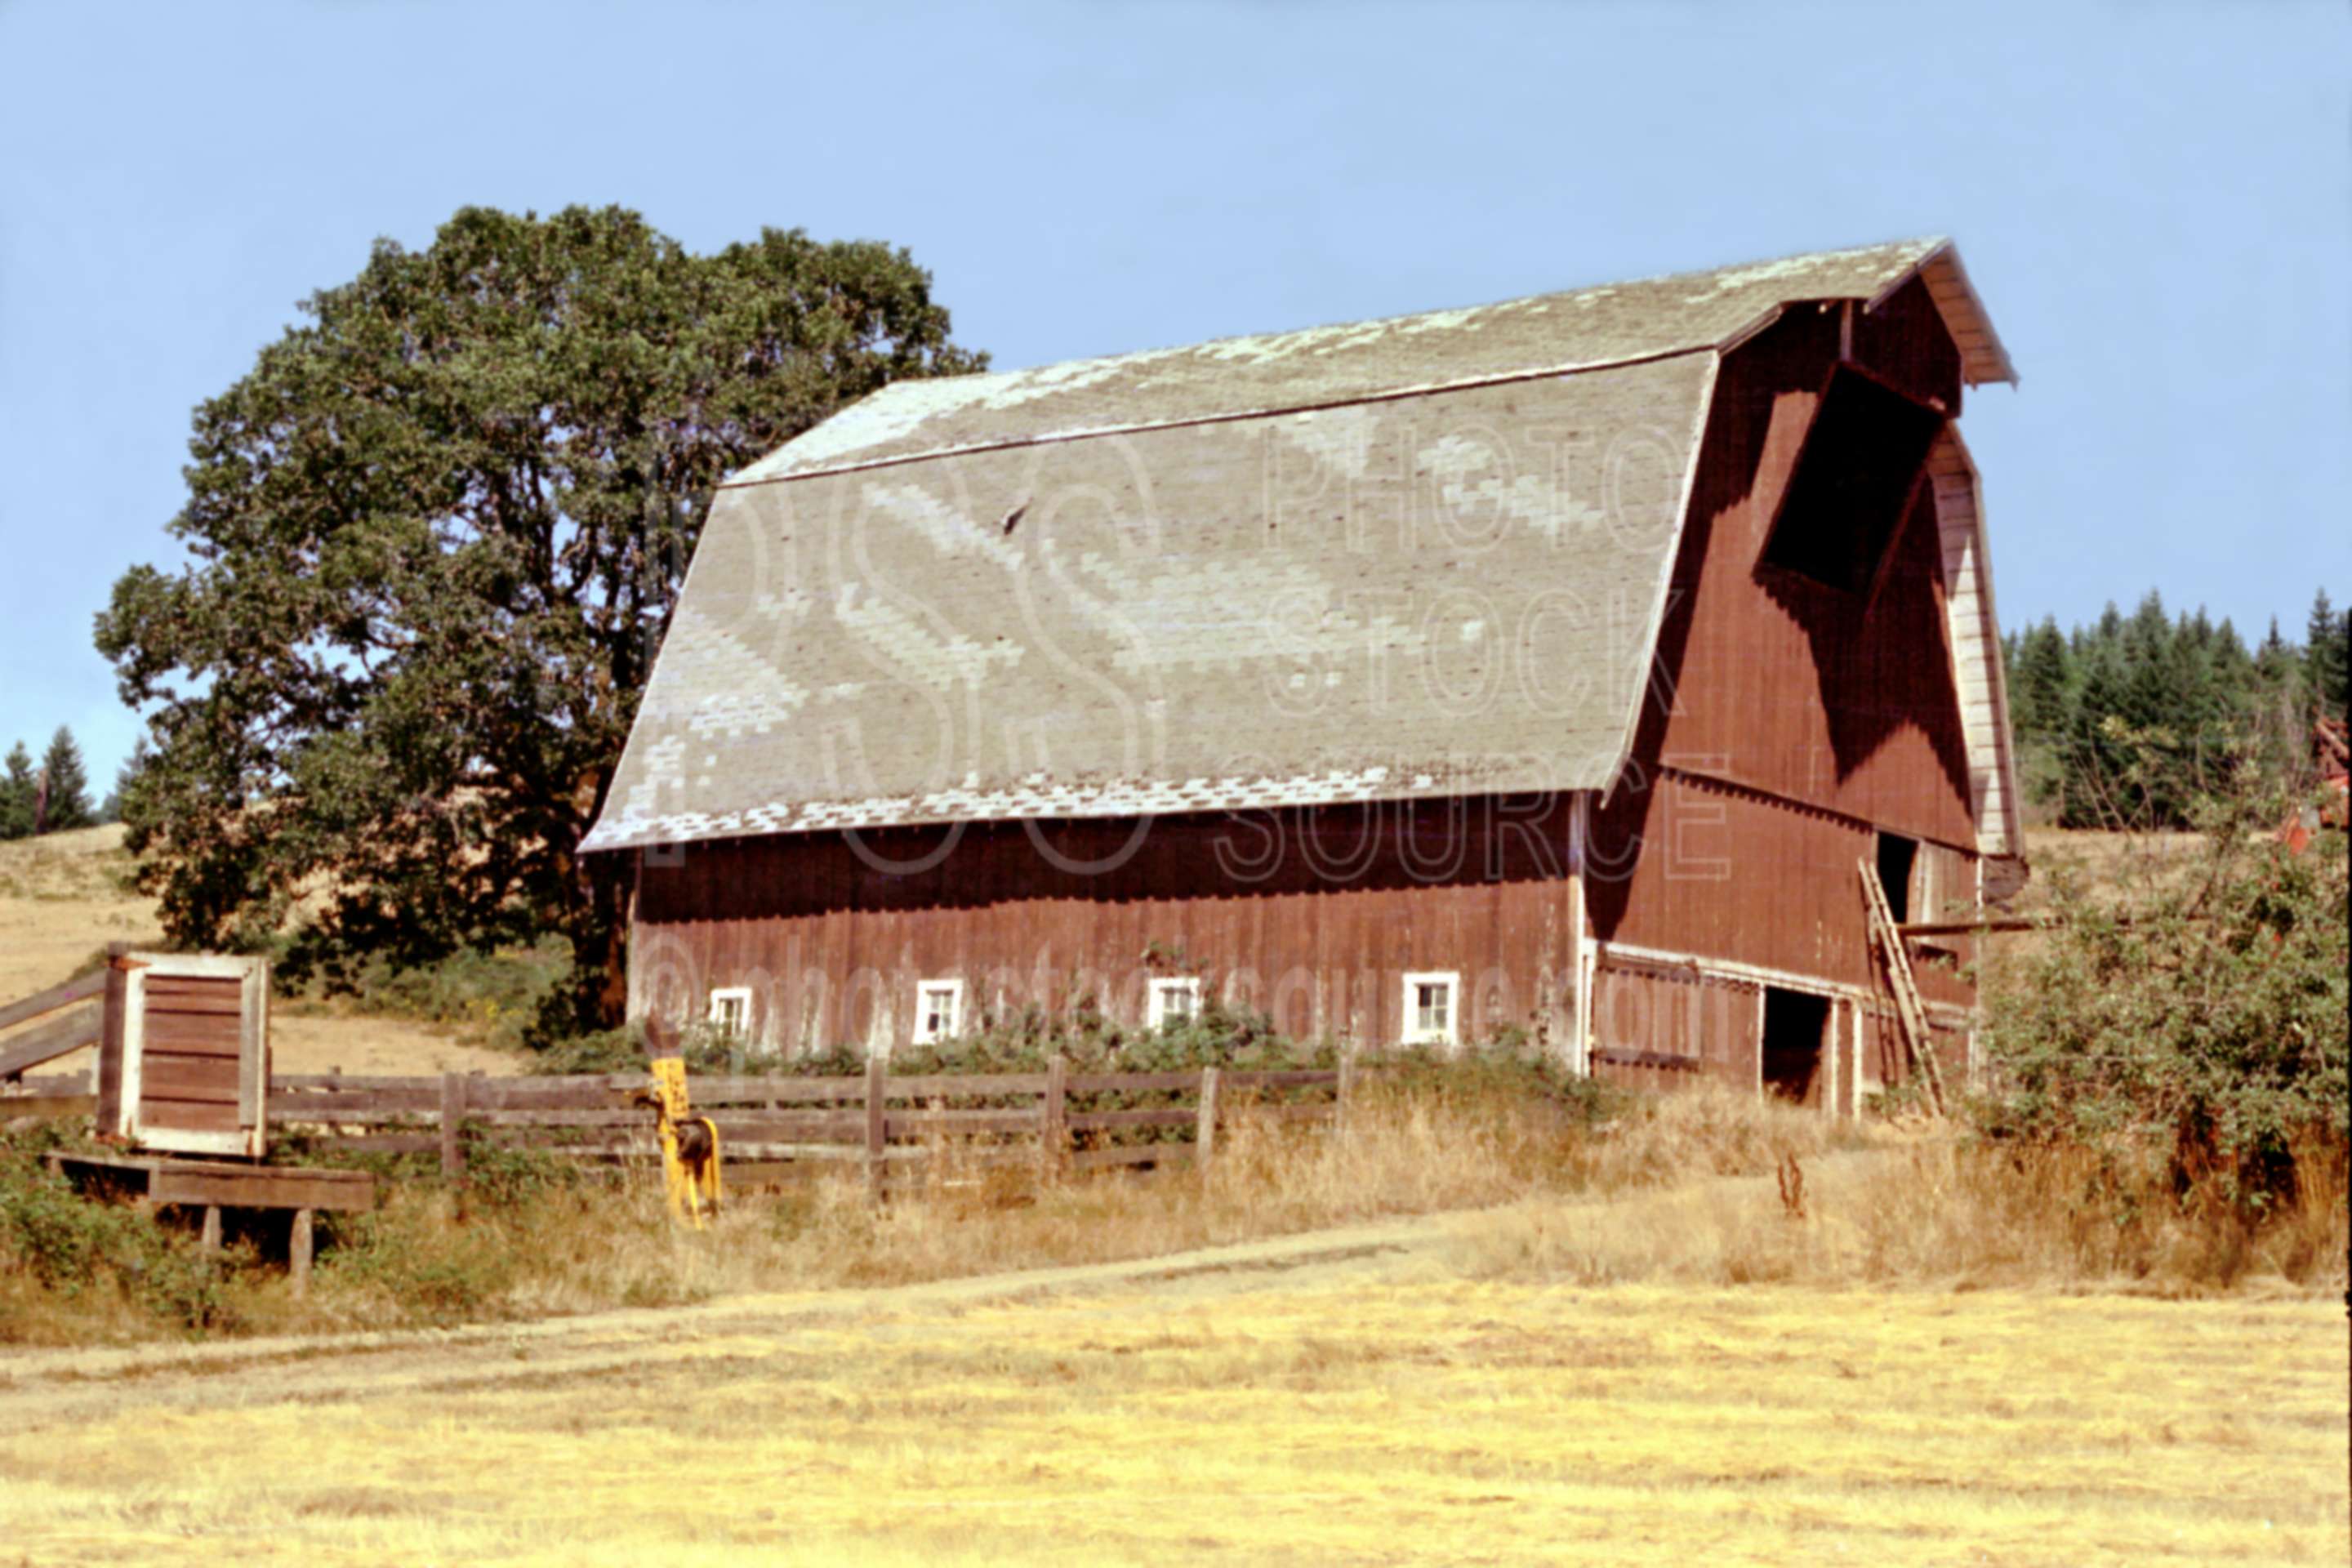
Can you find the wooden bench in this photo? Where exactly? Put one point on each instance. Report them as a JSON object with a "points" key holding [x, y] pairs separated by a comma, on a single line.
{"points": [[154, 1180]]}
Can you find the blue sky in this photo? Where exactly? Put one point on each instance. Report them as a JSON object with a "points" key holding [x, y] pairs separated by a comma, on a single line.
{"points": [[2155, 201]]}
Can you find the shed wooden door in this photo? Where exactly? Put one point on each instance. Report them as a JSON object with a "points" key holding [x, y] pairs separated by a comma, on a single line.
{"points": [[195, 1054]]}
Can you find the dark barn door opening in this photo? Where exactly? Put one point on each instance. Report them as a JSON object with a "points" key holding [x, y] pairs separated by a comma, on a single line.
{"points": [[1895, 856], [1796, 1025]]}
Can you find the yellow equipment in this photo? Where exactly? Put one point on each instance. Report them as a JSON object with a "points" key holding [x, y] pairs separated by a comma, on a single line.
{"points": [[690, 1143]]}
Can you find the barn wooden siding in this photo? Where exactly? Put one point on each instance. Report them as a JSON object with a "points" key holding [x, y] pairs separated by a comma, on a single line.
{"points": [[1692, 867], [1663, 1028], [1790, 687], [1658, 1029], [1314, 916]]}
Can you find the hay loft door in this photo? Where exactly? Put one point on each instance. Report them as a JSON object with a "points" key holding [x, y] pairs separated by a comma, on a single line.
{"points": [[194, 1053]]}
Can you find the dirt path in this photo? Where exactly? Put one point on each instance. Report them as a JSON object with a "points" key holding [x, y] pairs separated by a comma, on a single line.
{"points": [[36, 1384], [40, 1388]]}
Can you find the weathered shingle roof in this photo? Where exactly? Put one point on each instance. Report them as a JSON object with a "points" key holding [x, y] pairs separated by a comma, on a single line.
{"points": [[1231, 378], [1421, 557]]}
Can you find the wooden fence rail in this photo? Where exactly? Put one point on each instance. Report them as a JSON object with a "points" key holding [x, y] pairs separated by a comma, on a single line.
{"points": [[76, 1029], [894, 1125]]}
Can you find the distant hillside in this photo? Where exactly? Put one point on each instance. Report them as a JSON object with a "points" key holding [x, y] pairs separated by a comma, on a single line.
{"points": [[64, 896]]}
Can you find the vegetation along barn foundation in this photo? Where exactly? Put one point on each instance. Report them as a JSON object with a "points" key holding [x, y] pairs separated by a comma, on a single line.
{"points": [[1592, 664]]}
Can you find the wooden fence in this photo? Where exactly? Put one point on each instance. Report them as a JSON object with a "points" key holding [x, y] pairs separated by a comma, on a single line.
{"points": [[894, 1125]]}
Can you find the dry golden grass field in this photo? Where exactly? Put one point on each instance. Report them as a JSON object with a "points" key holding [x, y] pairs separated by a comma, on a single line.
{"points": [[1394, 1394]]}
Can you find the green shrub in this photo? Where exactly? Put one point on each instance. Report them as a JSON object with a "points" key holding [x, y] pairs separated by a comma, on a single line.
{"points": [[424, 1268], [72, 1246], [497, 996], [623, 1050], [2204, 1013], [514, 1176]]}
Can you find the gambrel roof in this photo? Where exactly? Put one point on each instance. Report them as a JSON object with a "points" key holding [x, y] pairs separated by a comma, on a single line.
{"points": [[1417, 557]]}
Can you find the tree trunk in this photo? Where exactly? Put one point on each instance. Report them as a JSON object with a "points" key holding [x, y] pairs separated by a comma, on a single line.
{"points": [[600, 940]]}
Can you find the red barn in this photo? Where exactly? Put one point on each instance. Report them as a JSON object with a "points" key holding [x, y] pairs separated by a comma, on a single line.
{"points": [[1553, 664]]}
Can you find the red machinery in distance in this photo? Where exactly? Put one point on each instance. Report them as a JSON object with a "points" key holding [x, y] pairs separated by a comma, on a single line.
{"points": [[2330, 750]]}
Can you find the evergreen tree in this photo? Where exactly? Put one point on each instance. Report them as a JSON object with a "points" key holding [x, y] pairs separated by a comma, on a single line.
{"points": [[2096, 762], [2204, 714], [2233, 684], [2278, 716], [2149, 693], [2324, 655], [16, 790], [2274, 654], [2041, 710], [2233, 666], [109, 811], [2041, 689], [68, 801]]}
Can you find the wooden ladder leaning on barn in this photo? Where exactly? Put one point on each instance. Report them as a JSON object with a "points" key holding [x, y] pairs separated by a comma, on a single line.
{"points": [[1909, 1011]]}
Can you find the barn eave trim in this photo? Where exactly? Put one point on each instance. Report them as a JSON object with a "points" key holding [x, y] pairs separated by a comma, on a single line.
{"points": [[1982, 356]]}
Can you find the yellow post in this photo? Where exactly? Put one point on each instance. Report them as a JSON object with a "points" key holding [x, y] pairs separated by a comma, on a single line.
{"points": [[690, 1143]]}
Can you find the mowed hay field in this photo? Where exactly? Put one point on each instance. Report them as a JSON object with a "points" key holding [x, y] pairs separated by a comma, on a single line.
{"points": [[63, 897], [1357, 1397]]}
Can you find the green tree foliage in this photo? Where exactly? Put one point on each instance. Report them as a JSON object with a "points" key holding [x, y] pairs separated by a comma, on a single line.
{"points": [[2200, 1016], [437, 533], [68, 797], [2124, 722], [18, 785]]}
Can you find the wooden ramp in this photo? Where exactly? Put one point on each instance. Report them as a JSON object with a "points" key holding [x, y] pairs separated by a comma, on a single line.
{"points": [[1909, 1011], [158, 1181]]}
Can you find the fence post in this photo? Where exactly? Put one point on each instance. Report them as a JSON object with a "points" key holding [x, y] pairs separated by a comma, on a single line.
{"points": [[877, 1126], [299, 1245], [453, 1125], [1347, 1090], [1204, 1136], [1053, 1134], [109, 1081]]}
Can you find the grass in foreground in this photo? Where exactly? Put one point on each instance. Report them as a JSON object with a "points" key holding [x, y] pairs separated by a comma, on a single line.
{"points": [[1371, 1417]]}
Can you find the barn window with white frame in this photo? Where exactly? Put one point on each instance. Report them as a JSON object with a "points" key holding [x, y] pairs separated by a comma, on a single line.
{"points": [[939, 1010], [730, 1011], [1174, 999], [1432, 1007]]}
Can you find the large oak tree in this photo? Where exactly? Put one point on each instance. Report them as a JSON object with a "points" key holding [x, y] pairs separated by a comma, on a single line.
{"points": [[435, 535]]}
